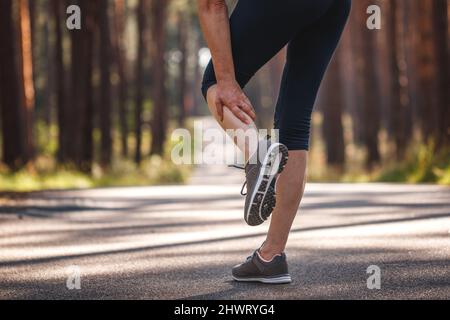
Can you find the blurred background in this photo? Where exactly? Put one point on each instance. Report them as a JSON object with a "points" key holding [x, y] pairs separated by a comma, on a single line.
{"points": [[96, 106]]}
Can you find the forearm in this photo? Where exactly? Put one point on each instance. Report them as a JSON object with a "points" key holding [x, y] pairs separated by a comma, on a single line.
{"points": [[213, 15]]}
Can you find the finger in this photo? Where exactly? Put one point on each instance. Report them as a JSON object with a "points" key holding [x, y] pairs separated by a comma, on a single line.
{"points": [[219, 108], [240, 114], [248, 110], [247, 101]]}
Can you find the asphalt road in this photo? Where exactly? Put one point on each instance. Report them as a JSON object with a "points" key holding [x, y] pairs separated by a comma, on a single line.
{"points": [[179, 242]]}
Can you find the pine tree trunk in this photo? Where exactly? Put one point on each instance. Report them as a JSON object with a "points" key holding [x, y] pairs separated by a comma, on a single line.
{"points": [[160, 110], [426, 72], [197, 97], [400, 107], [356, 64], [120, 56], [332, 101], [142, 26], [371, 102], [63, 141], [105, 87], [441, 43], [182, 46], [81, 112], [13, 131], [48, 70], [26, 68]]}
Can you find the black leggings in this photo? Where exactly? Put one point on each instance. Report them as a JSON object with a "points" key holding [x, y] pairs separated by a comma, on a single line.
{"points": [[312, 29]]}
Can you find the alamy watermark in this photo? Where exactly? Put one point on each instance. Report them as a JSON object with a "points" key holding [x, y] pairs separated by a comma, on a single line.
{"points": [[73, 281], [73, 21], [374, 19], [374, 280], [213, 146]]}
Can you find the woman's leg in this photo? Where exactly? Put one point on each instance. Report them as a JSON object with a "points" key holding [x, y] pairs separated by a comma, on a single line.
{"points": [[259, 29], [309, 54], [231, 122]]}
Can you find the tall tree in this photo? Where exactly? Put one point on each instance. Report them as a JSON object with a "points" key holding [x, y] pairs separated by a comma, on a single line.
{"points": [[182, 46], [139, 82], [355, 64], [441, 43], [400, 105], [332, 101], [197, 98], [412, 35], [371, 91], [428, 114], [13, 131], [60, 83], [47, 70], [81, 112], [105, 86], [120, 58], [26, 77], [160, 110]]}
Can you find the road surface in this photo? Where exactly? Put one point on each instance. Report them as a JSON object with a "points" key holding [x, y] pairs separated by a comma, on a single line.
{"points": [[179, 242]]}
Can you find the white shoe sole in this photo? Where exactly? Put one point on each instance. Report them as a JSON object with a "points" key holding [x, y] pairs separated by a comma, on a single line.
{"points": [[276, 280], [272, 172]]}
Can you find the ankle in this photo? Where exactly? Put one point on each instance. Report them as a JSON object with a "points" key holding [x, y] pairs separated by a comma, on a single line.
{"points": [[267, 252]]}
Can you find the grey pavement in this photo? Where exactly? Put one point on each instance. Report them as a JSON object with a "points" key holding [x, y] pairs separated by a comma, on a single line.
{"points": [[179, 242]]}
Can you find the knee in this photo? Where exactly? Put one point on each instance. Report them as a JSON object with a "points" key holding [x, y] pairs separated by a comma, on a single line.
{"points": [[296, 137]]}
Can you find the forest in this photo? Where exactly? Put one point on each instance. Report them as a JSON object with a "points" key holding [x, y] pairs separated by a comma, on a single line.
{"points": [[96, 106]]}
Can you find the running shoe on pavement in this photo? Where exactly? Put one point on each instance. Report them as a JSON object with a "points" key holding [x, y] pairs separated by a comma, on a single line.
{"points": [[254, 269]]}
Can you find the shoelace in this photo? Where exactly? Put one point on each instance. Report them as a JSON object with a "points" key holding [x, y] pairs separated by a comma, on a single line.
{"points": [[245, 183]]}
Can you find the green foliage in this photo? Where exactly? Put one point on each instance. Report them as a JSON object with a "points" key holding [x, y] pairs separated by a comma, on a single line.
{"points": [[46, 173], [46, 138], [30, 180], [154, 170], [424, 164]]}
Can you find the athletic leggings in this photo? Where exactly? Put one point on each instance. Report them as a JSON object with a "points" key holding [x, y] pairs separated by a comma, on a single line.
{"points": [[311, 29]]}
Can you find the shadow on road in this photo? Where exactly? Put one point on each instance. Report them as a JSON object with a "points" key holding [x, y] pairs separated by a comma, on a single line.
{"points": [[181, 244], [317, 274]]}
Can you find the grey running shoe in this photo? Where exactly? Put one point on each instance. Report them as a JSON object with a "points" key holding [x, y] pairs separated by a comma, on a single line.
{"points": [[257, 270], [261, 173]]}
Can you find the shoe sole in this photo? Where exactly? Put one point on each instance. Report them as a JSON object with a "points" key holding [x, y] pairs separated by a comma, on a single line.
{"points": [[263, 199], [273, 280]]}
